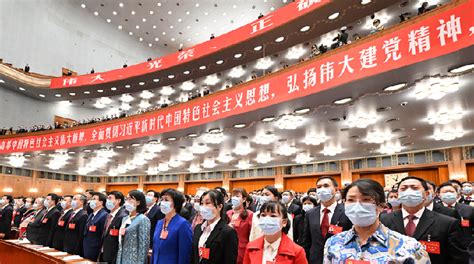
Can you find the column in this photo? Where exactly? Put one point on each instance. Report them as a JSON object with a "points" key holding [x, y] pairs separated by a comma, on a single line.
{"points": [[226, 180], [181, 178], [140, 182], [456, 168], [346, 173], [279, 180]]}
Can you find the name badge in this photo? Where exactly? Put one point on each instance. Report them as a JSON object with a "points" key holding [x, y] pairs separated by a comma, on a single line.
{"points": [[465, 223], [72, 226], [355, 261], [334, 229], [204, 252], [432, 247], [114, 232], [44, 221], [61, 223], [164, 234], [92, 228], [122, 231]]}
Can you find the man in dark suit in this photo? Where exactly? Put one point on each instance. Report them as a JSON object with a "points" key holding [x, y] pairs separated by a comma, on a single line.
{"points": [[437, 207], [75, 224], [35, 222], [19, 211], [287, 199], [108, 252], [153, 212], [323, 221], [94, 229], [58, 238], [449, 197], [227, 203], [6, 215], [467, 193], [89, 193], [414, 220], [49, 221]]}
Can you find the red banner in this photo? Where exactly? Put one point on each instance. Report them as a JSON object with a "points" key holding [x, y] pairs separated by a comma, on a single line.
{"points": [[257, 27], [428, 38]]}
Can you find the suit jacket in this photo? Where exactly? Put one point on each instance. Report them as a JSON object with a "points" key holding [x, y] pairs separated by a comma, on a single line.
{"points": [[185, 213], [6, 215], [74, 233], [467, 213], [93, 231], [110, 241], [134, 245], [313, 240], [58, 238], [18, 215], [294, 210], [32, 230], [298, 228], [440, 228], [45, 227], [288, 252], [176, 248], [439, 208], [222, 244], [154, 215]]}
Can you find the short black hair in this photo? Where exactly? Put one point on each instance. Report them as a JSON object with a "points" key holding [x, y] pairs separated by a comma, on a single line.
{"points": [[140, 197], [155, 193], [118, 195], [54, 197], [70, 196], [311, 199], [288, 191], [367, 187], [9, 198], [101, 196], [273, 190], [432, 185], [217, 199], [445, 184], [456, 182], [277, 207], [311, 190], [334, 182], [222, 190], [423, 182], [177, 196], [90, 191]]}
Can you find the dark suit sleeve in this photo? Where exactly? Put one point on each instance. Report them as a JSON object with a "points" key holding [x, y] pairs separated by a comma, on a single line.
{"points": [[81, 225], [5, 224], [457, 250], [54, 224], [306, 239], [231, 243]]}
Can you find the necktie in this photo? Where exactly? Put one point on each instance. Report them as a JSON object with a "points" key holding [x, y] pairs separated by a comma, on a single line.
{"points": [[325, 222], [410, 227], [107, 224]]}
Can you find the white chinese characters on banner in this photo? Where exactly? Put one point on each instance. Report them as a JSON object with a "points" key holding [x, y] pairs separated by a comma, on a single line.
{"points": [[419, 40], [449, 29], [305, 4], [186, 54], [261, 24]]}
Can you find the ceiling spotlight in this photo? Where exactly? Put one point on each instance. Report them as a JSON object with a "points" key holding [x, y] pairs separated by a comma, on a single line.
{"points": [[167, 91], [263, 158], [257, 48], [156, 80], [171, 76], [21, 88], [289, 122], [187, 86], [305, 28], [343, 101], [192, 135], [303, 158], [171, 139], [444, 116], [242, 125], [378, 136], [83, 5], [2, 81], [264, 63], [330, 150], [186, 72], [243, 165], [448, 133], [219, 62], [362, 120], [225, 158], [268, 119], [302, 111], [279, 39], [314, 139], [113, 89], [203, 67], [365, 2], [265, 138], [141, 83], [128, 86], [462, 69], [395, 87], [390, 148], [237, 55], [42, 95], [333, 16]]}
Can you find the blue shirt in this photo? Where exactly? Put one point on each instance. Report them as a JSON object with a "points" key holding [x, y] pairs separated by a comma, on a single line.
{"points": [[384, 246]]}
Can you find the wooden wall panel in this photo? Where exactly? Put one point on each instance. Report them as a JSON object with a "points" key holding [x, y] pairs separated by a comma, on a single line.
{"points": [[302, 184], [160, 187], [431, 174], [191, 187], [470, 171], [124, 188], [251, 185]]}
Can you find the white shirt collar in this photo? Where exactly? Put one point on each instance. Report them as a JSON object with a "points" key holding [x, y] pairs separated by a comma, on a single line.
{"points": [[430, 206], [67, 210], [447, 205], [417, 214], [204, 225], [3, 207], [275, 245], [331, 208], [77, 210], [114, 212]]}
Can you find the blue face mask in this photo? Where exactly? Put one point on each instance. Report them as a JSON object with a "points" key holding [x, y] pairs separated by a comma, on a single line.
{"points": [[467, 190], [269, 225], [46, 203], [93, 204], [410, 198], [235, 201], [129, 207], [429, 198], [149, 199], [109, 204], [165, 207], [449, 197], [307, 207], [361, 214], [394, 202], [74, 204], [285, 199], [207, 213], [324, 194], [264, 199]]}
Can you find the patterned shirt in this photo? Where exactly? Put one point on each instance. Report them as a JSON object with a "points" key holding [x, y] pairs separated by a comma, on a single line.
{"points": [[384, 246]]}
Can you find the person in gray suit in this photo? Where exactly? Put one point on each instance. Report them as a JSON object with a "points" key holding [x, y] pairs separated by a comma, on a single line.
{"points": [[134, 234]]}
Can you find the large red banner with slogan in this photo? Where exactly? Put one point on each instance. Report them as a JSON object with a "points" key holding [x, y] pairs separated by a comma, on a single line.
{"points": [[430, 37], [259, 26]]}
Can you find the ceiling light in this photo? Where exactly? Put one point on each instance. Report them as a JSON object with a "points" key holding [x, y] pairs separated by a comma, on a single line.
{"points": [[333, 16], [343, 101], [462, 69], [171, 76], [395, 87], [194, 168], [305, 28], [83, 5], [243, 165], [236, 72], [286, 149], [125, 106], [144, 104], [436, 88], [188, 86], [128, 86], [265, 138], [242, 125], [99, 105], [264, 63], [42, 95], [119, 147], [141, 83], [211, 79], [365, 2], [127, 98], [156, 80], [203, 67], [21, 88], [330, 150], [237, 55], [219, 62], [257, 48], [214, 137], [302, 111], [87, 92], [390, 148], [289, 122], [444, 116], [167, 91], [100, 91], [303, 158], [174, 163], [378, 136], [152, 171], [209, 163], [154, 147], [199, 148], [268, 119], [16, 160], [263, 158], [171, 139], [225, 158], [121, 4], [109, 20], [105, 100], [295, 52], [448, 133], [163, 167], [279, 39], [242, 148], [314, 139], [362, 120], [113, 89], [119, 27], [96, 13], [192, 135]]}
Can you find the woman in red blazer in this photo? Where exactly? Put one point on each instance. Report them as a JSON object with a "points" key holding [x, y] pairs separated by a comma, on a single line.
{"points": [[274, 246], [240, 220]]}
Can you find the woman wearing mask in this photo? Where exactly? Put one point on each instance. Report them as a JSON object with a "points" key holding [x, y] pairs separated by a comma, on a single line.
{"points": [[214, 241], [134, 233], [172, 241], [393, 202], [369, 240], [240, 220], [269, 193], [299, 222], [274, 246]]}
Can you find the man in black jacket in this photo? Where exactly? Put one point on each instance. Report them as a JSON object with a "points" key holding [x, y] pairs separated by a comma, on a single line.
{"points": [[49, 220], [153, 212], [6, 215], [73, 235], [19, 211], [287, 199], [430, 204], [110, 242], [442, 233], [35, 222], [58, 238], [323, 221]]}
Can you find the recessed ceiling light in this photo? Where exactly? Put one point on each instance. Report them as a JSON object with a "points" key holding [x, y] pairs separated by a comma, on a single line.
{"points": [[171, 76], [87, 92], [130, 33], [333, 16], [186, 72], [109, 20], [141, 83], [149, 44], [364, 2], [257, 48], [42, 95], [133, 12], [2, 81], [214, 130], [280, 39], [268, 119], [113, 88], [21, 88], [144, 19], [203, 67], [96, 13], [100, 91], [462, 69], [171, 139], [219, 62], [72, 94], [119, 147], [119, 27], [302, 111], [394, 87], [121, 4], [305, 28], [343, 101], [157, 39], [57, 95], [242, 125], [192, 135], [135, 144], [128, 86], [114, 13], [87, 150], [237, 55], [83, 5], [156, 80]]}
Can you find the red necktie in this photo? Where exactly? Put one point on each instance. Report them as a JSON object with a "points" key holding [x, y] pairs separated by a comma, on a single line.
{"points": [[325, 222], [410, 227]]}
